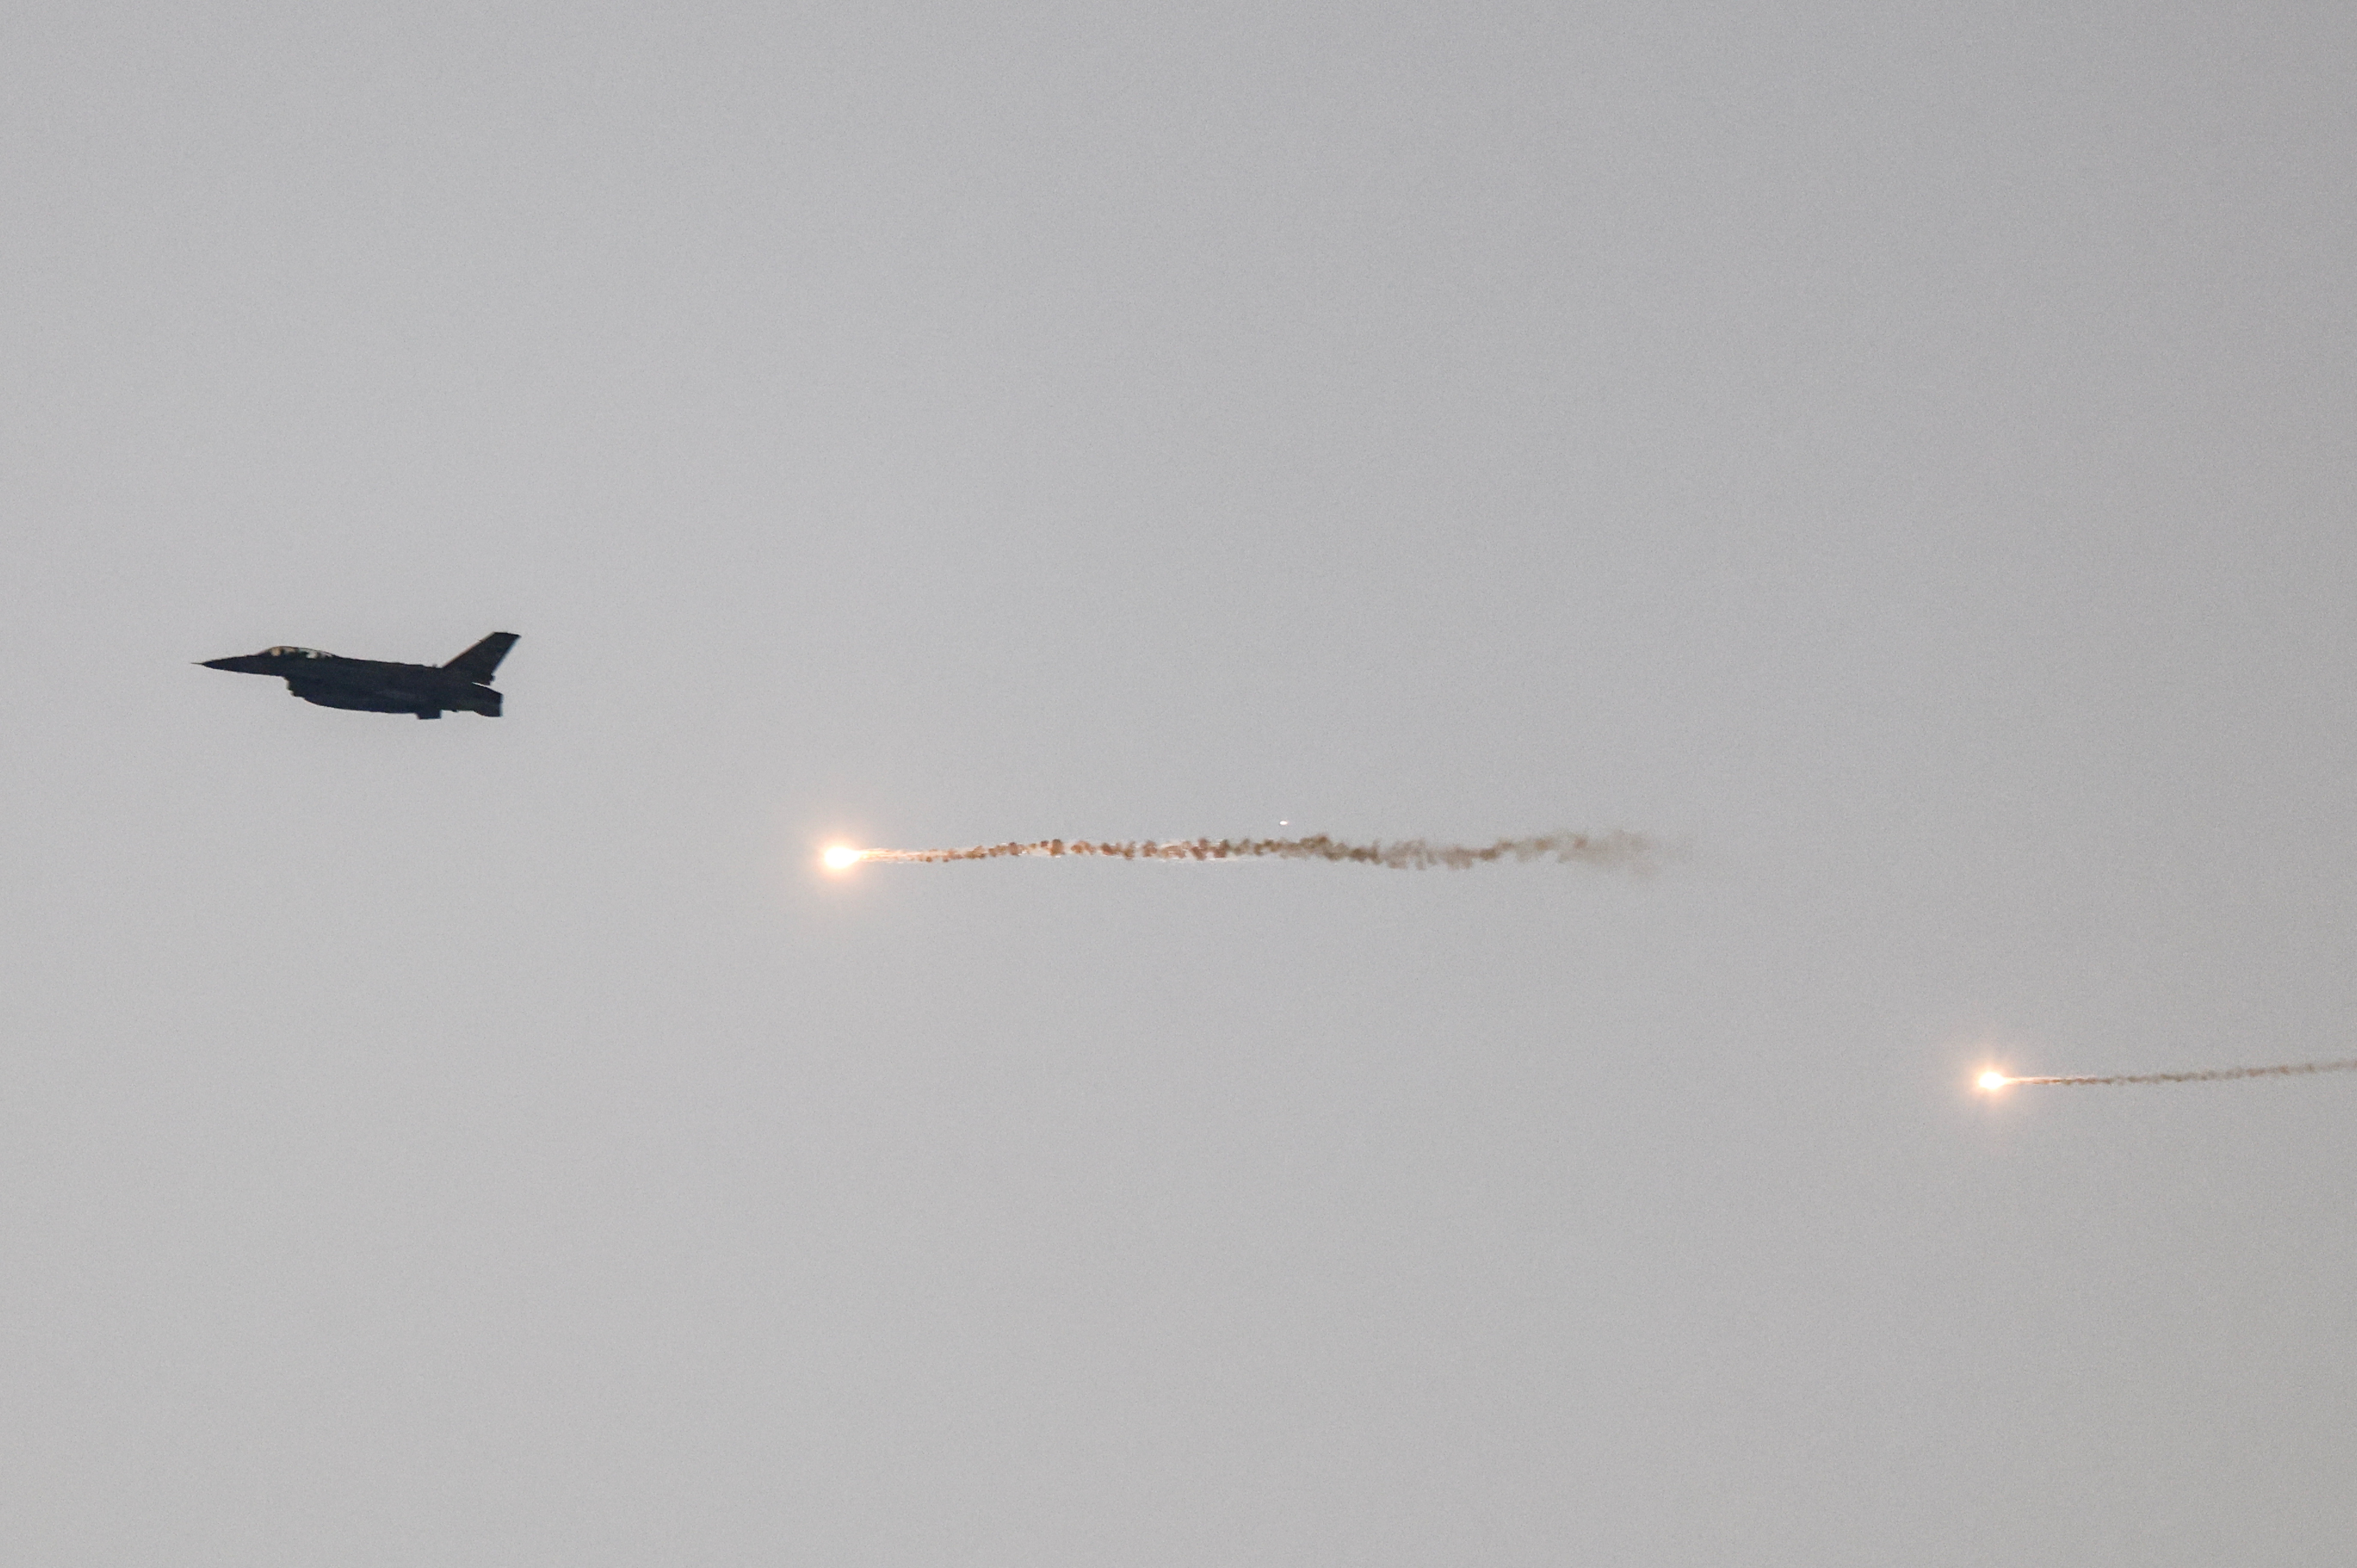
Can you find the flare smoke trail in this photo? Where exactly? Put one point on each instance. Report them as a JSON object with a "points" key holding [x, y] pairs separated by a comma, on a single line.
{"points": [[1632, 850], [2211, 1075]]}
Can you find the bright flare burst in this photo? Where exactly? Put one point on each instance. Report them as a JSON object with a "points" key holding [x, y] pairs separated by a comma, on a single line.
{"points": [[1992, 1081], [843, 857]]}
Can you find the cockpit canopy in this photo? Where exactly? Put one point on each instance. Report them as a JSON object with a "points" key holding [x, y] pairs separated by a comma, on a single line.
{"points": [[287, 652]]}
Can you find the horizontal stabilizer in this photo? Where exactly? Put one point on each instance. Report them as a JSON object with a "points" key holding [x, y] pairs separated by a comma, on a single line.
{"points": [[477, 662]]}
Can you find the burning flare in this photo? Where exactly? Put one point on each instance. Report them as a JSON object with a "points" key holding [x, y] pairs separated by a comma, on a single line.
{"points": [[1632, 850], [1992, 1081]]}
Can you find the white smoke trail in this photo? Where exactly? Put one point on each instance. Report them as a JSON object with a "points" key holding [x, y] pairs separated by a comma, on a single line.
{"points": [[2208, 1075], [1629, 851]]}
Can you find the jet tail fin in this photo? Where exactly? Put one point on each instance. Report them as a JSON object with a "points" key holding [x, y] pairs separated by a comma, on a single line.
{"points": [[477, 662]]}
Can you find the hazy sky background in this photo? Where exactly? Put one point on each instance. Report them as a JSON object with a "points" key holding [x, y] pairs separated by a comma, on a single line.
{"points": [[1904, 453]]}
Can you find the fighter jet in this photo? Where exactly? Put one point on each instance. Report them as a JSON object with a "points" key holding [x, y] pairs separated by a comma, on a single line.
{"points": [[375, 686]]}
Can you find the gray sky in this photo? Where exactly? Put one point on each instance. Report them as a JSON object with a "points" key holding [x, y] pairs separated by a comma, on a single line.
{"points": [[1905, 455]]}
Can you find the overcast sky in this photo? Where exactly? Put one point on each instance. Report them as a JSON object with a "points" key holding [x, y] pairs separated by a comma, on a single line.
{"points": [[1902, 453]]}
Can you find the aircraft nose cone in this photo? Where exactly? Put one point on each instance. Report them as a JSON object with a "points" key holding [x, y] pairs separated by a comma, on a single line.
{"points": [[214, 663]]}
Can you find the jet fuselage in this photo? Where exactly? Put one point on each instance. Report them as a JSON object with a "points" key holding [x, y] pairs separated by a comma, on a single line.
{"points": [[377, 686]]}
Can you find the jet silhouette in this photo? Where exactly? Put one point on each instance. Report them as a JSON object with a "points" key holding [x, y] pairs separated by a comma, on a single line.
{"points": [[377, 687]]}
